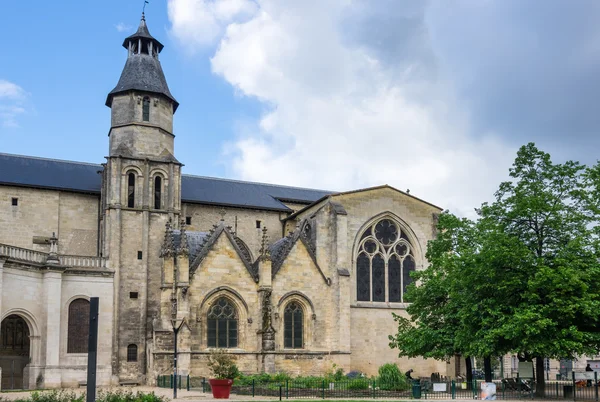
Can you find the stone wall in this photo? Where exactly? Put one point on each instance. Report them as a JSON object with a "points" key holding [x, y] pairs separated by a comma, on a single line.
{"points": [[244, 221], [42, 299], [39, 213]]}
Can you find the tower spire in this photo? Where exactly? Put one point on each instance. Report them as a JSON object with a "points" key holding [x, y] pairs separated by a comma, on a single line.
{"points": [[142, 71]]}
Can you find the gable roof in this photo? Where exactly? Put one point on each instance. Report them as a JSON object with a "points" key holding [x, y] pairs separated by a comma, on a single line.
{"points": [[208, 242], [281, 249], [28, 171], [337, 205]]}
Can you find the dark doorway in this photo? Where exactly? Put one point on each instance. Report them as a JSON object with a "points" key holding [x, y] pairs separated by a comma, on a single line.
{"points": [[14, 351]]}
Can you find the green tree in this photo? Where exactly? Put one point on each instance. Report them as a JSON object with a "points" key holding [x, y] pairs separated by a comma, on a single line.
{"points": [[525, 281]]}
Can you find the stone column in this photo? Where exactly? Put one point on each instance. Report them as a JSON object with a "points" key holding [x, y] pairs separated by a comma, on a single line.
{"points": [[52, 286]]}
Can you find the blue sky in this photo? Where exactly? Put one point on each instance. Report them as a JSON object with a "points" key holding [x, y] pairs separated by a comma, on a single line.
{"points": [[430, 95], [67, 56]]}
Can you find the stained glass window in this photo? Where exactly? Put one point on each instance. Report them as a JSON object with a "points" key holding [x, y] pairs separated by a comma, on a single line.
{"points": [[394, 269], [378, 269], [222, 325], [78, 326], [408, 267], [293, 326], [385, 260], [363, 278]]}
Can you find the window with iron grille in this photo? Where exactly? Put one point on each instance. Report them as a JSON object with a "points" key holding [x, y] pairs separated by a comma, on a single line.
{"points": [[293, 326], [15, 335], [222, 324], [131, 190], [146, 109], [384, 263], [78, 326], [132, 354]]}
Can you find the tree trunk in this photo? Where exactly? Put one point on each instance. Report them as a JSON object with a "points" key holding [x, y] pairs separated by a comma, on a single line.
{"points": [[540, 384], [469, 368], [487, 368]]}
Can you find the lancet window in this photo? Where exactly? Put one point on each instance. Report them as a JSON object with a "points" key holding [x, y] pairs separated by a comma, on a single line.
{"points": [[131, 190], [293, 326], [146, 109], [157, 192], [384, 263]]}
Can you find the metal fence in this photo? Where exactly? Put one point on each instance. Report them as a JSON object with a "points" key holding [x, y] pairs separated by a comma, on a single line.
{"points": [[584, 390]]}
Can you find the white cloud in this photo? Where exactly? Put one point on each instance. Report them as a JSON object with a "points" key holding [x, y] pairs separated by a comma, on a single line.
{"points": [[341, 115], [12, 100], [122, 27], [201, 22]]}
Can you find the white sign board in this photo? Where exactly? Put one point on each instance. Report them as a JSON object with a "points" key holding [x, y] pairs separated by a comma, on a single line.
{"points": [[586, 375], [488, 391], [526, 369], [439, 387]]}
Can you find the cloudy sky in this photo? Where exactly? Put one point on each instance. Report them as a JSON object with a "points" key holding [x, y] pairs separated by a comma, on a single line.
{"points": [[432, 96]]}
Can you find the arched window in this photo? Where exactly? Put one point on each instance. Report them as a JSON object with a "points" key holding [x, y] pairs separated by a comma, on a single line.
{"points": [[132, 354], [78, 326], [131, 190], [385, 261], [293, 326], [146, 109], [222, 324], [157, 191]]}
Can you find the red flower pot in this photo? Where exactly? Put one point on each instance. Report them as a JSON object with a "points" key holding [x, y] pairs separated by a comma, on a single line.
{"points": [[220, 388]]}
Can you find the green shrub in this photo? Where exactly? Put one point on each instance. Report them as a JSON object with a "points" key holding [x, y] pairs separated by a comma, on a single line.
{"points": [[390, 378], [359, 383], [54, 396], [103, 396]]}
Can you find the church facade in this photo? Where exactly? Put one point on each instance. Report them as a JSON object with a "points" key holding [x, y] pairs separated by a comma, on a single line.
{"points": [[287, 279]]}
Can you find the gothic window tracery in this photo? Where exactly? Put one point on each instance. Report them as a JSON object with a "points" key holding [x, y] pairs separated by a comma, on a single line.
{"points": [[384, 263], [293, 326], [222, 324], [78, 326]]}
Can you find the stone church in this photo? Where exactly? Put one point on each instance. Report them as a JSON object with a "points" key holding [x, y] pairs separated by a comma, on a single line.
{"points": [[288, 279]]}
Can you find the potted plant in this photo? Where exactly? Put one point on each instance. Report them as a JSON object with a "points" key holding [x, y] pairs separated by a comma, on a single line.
{"points": [[223, 369]]}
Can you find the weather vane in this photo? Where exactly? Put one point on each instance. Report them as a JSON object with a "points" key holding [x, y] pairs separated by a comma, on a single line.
{"points": [[144, 8]]}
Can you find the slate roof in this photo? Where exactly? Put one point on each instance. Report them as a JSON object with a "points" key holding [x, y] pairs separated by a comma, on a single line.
{"points": [[143, 33], [194, 239], [28, 171], [142, 72], [244, 194], [50, 173]]}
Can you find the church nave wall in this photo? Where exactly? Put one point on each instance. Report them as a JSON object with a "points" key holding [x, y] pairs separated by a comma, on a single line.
{"points": [[203, 217], [39, 213]]}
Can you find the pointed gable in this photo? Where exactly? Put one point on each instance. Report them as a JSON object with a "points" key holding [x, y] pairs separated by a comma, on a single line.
{"points": [[210, 240], [281, 249]]}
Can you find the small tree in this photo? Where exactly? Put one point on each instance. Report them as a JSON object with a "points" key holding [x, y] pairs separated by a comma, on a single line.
{"points": [[222, 365]]}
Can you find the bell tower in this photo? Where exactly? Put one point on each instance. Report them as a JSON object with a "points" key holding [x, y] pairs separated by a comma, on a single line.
{"points": [[141, 192]]}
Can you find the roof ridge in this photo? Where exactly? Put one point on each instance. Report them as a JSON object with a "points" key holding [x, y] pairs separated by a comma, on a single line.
{"points": [[51, 159], [256, 182]]}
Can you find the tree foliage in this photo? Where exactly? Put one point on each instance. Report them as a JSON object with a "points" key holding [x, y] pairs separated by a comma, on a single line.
{"points": [[523, 278]]}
